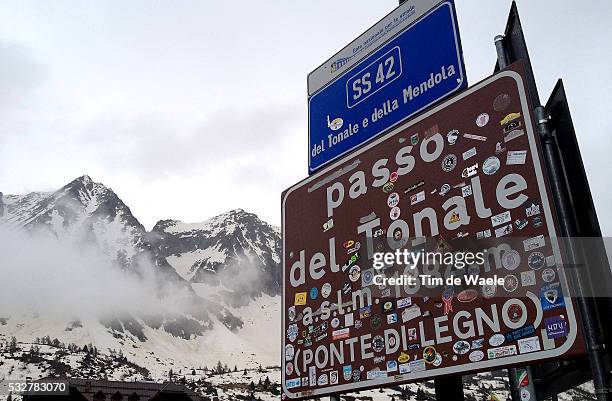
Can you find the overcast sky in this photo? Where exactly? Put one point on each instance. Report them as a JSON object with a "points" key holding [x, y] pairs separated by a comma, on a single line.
{"points": [[190, 108]]}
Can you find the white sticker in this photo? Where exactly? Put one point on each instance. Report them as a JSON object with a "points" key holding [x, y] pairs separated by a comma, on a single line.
{"points": [[404, 302], [516, 157], [504, 230], [501, 218], [348, 320], [466, 191], [501, 352], [548, 343], [534, 243], [411, 313], [475, 137], [482, 120], [333, 377], [483, 234], [513, 135], [528, 278], [476, 356], [418, 197], [497, 340], [525, 394], [469, 153], [527, 345]]}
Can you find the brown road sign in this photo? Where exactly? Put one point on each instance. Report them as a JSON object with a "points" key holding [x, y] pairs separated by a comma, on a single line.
{"points": [[431, 251]]}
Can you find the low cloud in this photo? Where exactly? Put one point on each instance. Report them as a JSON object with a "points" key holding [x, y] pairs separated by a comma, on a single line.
{"points": [[69, 278]]}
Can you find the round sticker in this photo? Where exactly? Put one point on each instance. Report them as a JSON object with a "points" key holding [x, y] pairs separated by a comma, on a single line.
{"points": [[392, 341], [354, 273], [501, 102], [461, 347], [511, 259], [393, 176], [335, 124], [496, 340], [437, 361], [289, 368], [335, 322], [397, 234], [548, 275], [289, 352], [525, 394], [491, 165], [452, 136], [314, 293], [429, 354], [467, 295], [515, 313], [394, 213], [388, 187], [378, 343], [476, 356], [536, 260], [482, 119], [393, 199], [444, 189], [489, 290], [510, 283], [291, 313], [326, 290], [449, 162], [367, 277]]}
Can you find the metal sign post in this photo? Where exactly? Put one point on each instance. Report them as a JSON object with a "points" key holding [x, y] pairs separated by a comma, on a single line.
{"points": [[512, 47]]}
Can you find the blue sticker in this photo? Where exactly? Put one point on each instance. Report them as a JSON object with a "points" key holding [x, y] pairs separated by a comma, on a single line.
{"points": [[293, 383], [525, 331], [551, 296], [314, 293], [347, 372], [556, 326]]}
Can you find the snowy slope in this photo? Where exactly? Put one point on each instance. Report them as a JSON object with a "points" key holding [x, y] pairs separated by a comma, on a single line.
{"points": [[98, 277]]}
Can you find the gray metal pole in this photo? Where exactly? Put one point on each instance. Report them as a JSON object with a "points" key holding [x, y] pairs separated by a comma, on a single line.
{"points": [[589, 326], [513, 384], [502, 58]]}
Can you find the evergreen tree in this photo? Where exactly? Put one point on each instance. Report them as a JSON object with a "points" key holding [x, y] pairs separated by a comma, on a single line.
{"points": [[170, 374], [245, 372], [252, 386], [235, 368], [267, 384], [13, 345], [219, 368]]}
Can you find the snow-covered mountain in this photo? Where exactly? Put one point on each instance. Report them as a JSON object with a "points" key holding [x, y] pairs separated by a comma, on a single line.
{"points": [[235, 250], [193, 313]]}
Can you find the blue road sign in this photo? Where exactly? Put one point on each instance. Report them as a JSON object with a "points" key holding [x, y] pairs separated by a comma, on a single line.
{"points": [[419, 66]]}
